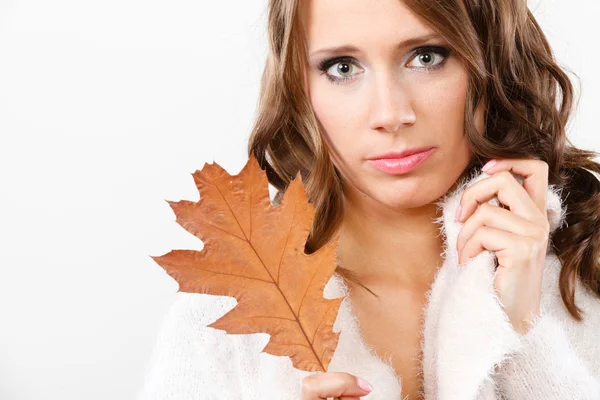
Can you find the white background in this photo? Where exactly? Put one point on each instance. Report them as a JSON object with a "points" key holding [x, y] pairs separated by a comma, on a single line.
{"points": [[106, 108]]}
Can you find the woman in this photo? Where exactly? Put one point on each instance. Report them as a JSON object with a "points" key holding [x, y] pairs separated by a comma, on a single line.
{"points": [[505, 302]]}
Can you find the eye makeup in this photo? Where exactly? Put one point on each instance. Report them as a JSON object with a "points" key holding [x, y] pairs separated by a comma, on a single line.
{"points": [[438, 51]]}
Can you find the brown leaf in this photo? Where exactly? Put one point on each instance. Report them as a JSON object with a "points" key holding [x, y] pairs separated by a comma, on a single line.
{"points": [[254, 251]]}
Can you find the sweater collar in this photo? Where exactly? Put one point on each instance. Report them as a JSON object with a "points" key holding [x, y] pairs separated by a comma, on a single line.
{"points": [[465, 331], [451, 228]]}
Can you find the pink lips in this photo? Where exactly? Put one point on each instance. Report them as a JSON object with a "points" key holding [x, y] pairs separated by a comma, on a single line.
{"points": [[401, 165]]}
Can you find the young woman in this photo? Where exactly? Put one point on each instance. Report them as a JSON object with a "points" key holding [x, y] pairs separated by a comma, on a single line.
{"points": [[390, 109]]}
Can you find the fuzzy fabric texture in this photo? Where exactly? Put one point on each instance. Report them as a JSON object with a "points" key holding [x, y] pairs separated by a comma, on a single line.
{"points": [[469, 349]]}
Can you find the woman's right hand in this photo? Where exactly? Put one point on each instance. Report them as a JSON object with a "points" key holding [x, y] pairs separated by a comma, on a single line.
{"points": [[337, 385]]}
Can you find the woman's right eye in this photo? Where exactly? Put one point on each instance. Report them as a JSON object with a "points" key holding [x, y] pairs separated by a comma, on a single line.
{"points": [[341, 66]]}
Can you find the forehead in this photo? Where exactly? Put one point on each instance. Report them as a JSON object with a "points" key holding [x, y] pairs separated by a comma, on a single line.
{"points": [[361, 23]]}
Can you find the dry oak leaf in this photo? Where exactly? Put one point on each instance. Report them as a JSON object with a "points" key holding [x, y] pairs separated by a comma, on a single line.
{"points": [[254, 251]]}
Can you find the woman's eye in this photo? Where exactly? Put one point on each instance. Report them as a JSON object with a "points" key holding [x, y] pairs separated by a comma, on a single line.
{"points": [[427, 59], [341, 71]]}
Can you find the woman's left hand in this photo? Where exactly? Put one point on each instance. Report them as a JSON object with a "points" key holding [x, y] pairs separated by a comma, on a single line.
{"points": [[518, 235]]}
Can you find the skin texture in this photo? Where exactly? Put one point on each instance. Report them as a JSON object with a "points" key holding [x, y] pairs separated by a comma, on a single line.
{"points": [[388, 101]]}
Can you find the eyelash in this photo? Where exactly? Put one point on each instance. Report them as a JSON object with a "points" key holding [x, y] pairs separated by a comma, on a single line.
{"points": [[328, 63]]}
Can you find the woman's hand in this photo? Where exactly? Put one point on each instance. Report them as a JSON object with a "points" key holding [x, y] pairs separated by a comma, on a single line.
{"points": [[518, 235], [338, 385]]}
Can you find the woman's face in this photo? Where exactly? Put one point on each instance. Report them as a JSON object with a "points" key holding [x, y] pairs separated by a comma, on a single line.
{"points": [[386, 95]]}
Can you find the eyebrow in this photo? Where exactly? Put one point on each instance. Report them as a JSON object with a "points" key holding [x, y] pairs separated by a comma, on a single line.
{"points": [[348, 48]]}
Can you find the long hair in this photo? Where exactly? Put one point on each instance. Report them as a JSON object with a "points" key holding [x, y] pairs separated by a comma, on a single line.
{"points": [[512, 69]]}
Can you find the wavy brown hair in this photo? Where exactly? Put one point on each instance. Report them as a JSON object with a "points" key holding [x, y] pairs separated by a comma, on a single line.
{"points": [[512, 69]]}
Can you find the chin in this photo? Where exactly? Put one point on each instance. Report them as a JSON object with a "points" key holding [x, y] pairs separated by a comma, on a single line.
{"points": [[401, 196], [410, 191]]}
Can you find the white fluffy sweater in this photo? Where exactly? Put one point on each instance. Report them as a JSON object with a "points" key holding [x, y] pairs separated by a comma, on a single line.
{"points": [[470, 350]]}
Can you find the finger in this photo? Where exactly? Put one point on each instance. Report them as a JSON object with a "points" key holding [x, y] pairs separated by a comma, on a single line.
{"points": [[509, 192], [332, 384], [498, 218], [508, 246], [535, 173]]}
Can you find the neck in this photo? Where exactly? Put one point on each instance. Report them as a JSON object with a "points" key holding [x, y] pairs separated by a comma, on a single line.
{"points": [[381, 246]]}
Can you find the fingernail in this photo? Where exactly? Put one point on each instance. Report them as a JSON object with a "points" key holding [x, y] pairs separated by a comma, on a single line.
{"points": [[488, 165], [364, 385], [458, 210]]}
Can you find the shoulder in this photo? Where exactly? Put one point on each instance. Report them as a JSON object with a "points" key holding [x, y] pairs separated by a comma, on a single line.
{"points": [[187, 353], [193, 360], [198, 309], [189, 316]]}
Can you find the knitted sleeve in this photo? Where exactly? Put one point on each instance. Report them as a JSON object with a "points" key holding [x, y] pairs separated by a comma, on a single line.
{"points": [[190, 360], [559, 359]]}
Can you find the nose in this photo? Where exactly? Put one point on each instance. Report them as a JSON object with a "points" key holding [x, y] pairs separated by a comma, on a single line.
{"points": [[391, 106]]}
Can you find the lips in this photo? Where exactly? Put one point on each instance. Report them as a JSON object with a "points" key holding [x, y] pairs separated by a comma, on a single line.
{"points": [[402, 154], [402, 164]]}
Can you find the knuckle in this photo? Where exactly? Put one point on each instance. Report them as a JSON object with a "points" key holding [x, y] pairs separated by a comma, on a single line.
{"points": [[505, 176], [305, 387], [480, 211], [483, 211], [484, 230], [475, 237], [348, 380], [485, 208], [308, 385]]}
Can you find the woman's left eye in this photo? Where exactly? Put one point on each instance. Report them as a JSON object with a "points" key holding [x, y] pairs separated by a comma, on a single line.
{"points": [[429, 57]]}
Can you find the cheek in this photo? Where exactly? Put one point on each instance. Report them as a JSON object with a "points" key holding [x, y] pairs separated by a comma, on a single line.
{"points": [[328, 109], [337, 113], [442, 111], [446, 102], [444, 105]]}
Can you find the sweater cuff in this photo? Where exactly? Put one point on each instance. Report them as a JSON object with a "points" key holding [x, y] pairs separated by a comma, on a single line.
{"points": [[547, 366]]}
